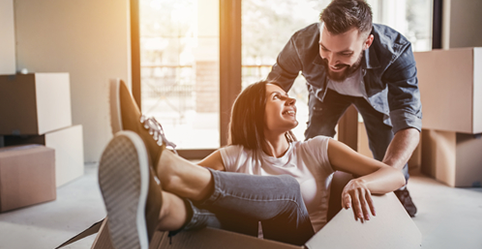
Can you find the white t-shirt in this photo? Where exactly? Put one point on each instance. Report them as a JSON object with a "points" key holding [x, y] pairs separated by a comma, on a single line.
{"points": [[353, 85], [306, 161]]}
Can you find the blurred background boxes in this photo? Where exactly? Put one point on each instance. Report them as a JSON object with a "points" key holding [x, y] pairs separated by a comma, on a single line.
{"points": [[452, 158], [27, 176], [450, 83], [69, 152], [33, 104], [36, 109]]}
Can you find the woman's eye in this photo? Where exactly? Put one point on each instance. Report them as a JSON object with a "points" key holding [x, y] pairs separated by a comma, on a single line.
{"points": [[275, 97]]}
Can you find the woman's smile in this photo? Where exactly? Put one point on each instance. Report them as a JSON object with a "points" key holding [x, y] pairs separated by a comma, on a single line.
{"points": [[290, 112], [280, 110]]}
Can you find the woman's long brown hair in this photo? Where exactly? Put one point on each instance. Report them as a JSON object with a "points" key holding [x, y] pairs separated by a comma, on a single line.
{"points": [[247, 122]]}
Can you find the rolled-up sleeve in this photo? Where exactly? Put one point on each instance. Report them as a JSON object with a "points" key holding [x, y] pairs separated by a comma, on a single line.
{"points": [[403, 92]]}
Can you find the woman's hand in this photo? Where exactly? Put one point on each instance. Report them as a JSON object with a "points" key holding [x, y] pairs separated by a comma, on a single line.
{"points": [[357, 195]]}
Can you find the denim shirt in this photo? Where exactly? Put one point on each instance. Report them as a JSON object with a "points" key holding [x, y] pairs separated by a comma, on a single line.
{"points": [[388, 69]]}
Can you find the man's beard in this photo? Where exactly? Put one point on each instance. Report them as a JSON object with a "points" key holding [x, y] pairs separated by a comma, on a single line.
{"points": [[341, 76]]}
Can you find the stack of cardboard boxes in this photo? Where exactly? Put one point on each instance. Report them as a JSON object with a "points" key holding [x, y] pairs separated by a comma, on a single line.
{"points": [[35, 109], [39, 148], [450, 84]]}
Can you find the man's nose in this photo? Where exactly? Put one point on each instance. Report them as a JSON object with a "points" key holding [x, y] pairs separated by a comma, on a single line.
{"points": [[334, 60], [331, 59]]}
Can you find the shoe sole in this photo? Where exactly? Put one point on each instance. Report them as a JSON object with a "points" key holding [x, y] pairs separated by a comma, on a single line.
{"points": [[124, 183], [115, 107]]}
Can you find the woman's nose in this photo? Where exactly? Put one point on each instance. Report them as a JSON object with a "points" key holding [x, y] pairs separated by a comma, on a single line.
{"points": [[290, 101]]}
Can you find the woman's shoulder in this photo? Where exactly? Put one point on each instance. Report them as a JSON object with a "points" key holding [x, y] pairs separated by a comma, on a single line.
{"points": [[315, 150], [313, 145], [231, 148], [235, 156], [320, 139], [234, 151]]}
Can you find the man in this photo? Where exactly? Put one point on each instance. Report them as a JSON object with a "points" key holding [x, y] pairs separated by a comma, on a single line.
{"points": [[346, 60]]}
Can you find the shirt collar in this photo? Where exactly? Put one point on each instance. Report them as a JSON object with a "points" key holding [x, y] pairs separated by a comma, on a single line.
{"points": [[370, 59]]}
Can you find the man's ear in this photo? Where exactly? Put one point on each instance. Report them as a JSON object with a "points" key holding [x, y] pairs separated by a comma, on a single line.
{"points": [[368, 42]]}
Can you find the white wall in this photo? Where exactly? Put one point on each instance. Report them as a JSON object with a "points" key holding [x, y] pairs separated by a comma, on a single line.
{"points": [[90, 39], [464, 24], [7, 38]]}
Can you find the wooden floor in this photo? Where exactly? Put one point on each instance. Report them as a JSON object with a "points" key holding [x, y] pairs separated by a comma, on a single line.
{"points": [[447, 217]]}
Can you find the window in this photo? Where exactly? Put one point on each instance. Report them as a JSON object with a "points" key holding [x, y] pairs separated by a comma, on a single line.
{"points": [[412, 18], [179, 44]]}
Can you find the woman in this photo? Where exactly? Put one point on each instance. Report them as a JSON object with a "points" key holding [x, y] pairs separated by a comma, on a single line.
{"points": [[261, 143]]}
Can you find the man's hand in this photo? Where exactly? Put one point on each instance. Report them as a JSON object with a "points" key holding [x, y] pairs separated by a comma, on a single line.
{"points": [[356, 195]]}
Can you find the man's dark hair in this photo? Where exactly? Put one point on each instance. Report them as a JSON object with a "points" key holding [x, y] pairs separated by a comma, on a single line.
{"points": [[342, 15], [247, 122]]}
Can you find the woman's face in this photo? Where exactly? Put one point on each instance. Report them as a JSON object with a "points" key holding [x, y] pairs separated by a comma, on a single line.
{"points": [[280, 110]]}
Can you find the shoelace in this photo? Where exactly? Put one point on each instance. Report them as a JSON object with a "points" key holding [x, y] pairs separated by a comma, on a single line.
{"points": [[156, 131]]}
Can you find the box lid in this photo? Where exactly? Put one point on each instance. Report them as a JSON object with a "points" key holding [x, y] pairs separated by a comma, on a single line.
{"points": [[390, 228]]}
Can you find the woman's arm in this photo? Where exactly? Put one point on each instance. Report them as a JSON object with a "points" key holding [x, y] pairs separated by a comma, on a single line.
{"points": [[213, 161], [375, 177]]}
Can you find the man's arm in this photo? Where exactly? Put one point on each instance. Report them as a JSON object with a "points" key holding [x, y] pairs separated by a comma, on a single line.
{"points": [[405, 109], [287, 66], [401, 148]]}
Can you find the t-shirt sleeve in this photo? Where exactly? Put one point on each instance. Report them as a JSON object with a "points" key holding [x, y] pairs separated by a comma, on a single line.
{"points": [[230, 155], [318, 148]]}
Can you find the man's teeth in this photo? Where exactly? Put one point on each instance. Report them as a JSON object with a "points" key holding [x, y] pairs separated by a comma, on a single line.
{"points": [[289, 112]]}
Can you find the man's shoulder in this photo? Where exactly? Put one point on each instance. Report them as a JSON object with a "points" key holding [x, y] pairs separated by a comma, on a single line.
{"points": [[387, 36], [313, 28], [388, 44], [309, 33], [305, 42]]}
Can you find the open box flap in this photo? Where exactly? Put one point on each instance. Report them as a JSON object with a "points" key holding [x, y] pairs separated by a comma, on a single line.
{"points": [[391, 228]]}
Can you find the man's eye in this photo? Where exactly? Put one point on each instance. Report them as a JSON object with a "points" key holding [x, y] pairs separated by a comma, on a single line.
{"points": [[275, 97], [347, 54]]}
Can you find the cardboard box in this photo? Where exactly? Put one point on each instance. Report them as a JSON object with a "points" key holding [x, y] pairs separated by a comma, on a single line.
{"points": [[27, 176], [452, 158], [7, 37], [33, 104], [450, 83], [391, 228], [69, 150], [341, 232]]}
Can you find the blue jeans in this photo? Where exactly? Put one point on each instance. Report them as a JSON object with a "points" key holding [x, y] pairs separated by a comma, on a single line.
{"points": [[324, 116], [240, 200]]}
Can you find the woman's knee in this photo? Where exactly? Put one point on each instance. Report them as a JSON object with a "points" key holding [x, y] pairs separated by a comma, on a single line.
{"points": [[291, 185]]}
